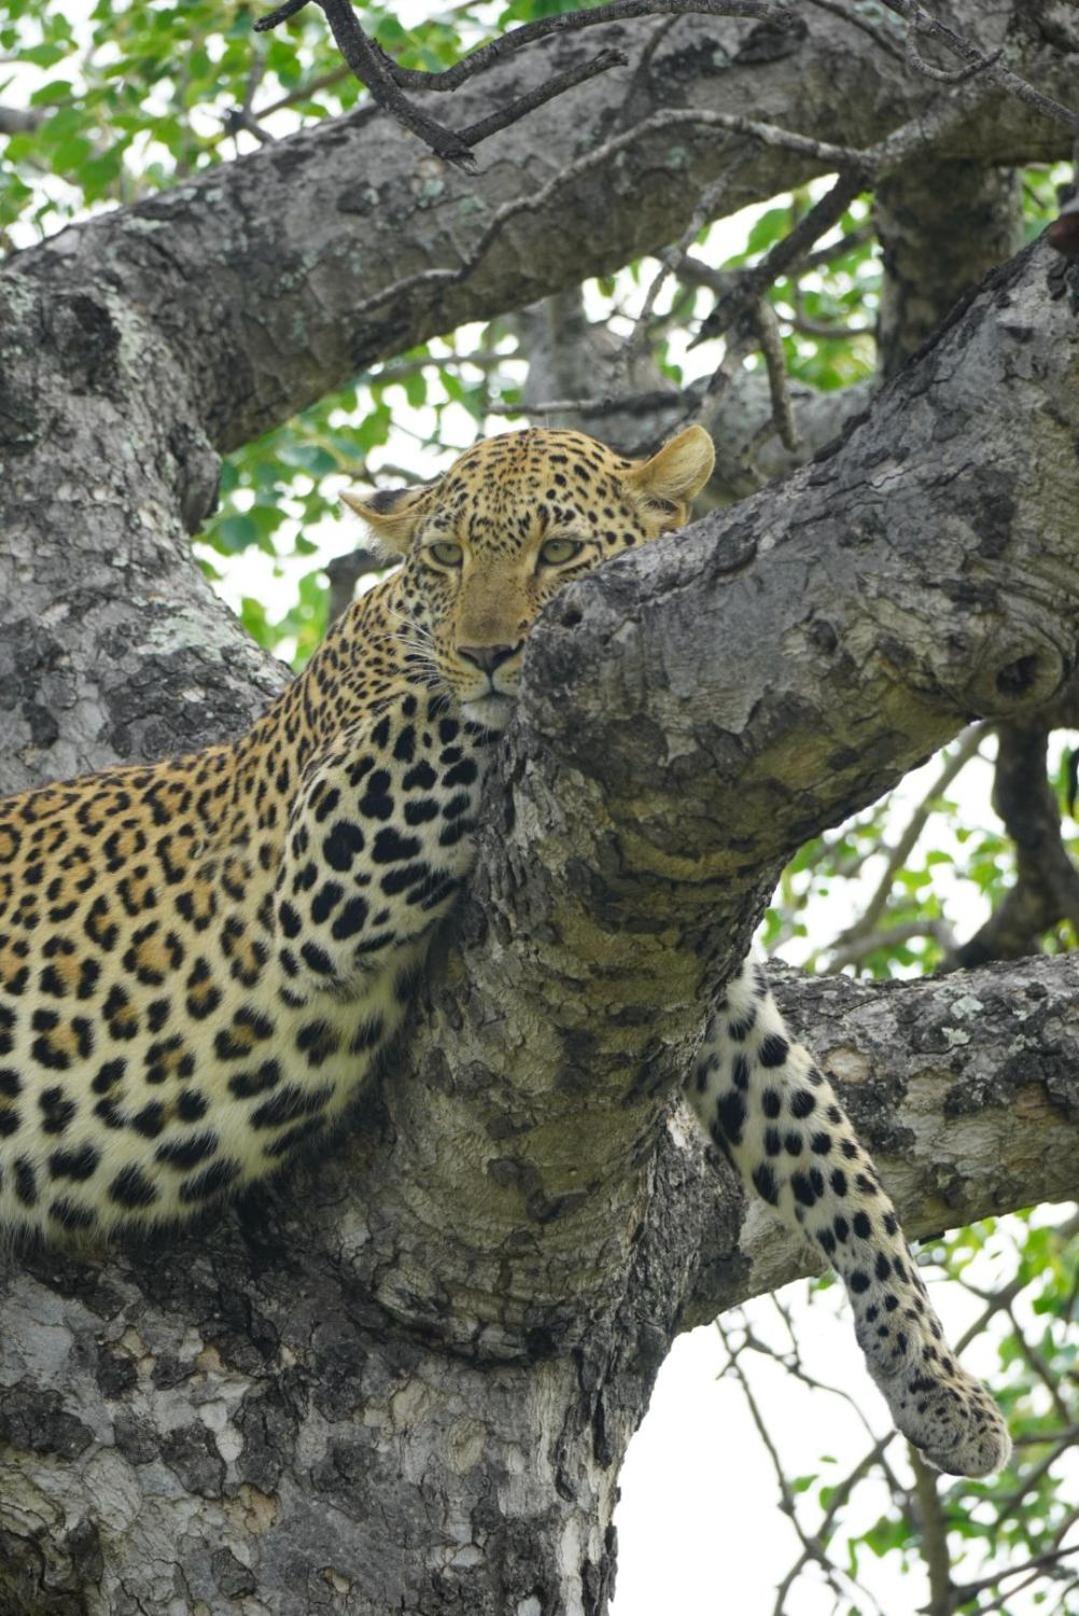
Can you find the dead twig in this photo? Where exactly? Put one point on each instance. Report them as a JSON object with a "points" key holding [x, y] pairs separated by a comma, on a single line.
{"points": [[674, 118], [975, 62], [866, 924], [605, 404], [765, 325], [751, 284], [889, 43], [387, 81]]}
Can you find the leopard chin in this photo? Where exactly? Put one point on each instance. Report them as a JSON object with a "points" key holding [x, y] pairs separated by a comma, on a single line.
{"points": [[492, 711]]}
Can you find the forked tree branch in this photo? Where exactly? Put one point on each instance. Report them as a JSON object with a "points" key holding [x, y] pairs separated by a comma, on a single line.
{"points": [[385, 80]]}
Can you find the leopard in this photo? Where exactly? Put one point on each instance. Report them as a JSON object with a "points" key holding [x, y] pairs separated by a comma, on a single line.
{"points": [[203, 959]]}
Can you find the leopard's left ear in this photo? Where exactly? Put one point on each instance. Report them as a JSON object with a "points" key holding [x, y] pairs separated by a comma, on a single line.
{"points": [[391, 514], [675, 473]]}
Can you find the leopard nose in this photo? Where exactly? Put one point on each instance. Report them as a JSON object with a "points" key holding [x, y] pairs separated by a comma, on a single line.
{"points": [[489, 657]]}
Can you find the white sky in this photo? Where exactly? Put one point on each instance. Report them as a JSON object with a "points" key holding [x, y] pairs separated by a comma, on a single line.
{"points": [[700, 1533]]}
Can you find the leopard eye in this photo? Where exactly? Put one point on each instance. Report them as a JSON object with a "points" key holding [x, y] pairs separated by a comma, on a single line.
{"points": [[446, 553], [556, 552]]}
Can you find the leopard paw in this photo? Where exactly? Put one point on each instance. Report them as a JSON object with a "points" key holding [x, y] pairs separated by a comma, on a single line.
{"points": [[949, 1416]]}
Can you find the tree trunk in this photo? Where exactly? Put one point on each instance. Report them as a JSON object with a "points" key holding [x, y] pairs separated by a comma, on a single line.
{"points": [[406, 1378]]}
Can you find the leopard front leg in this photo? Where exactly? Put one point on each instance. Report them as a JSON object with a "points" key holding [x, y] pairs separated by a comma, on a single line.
{"points": [[773, 1112], [379, 840]]}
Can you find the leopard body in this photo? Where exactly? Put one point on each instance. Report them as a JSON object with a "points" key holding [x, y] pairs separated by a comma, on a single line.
{"points": [[201, 959]]}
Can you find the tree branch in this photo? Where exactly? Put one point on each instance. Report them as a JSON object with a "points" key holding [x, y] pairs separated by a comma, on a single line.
{"points": [[1046, 889], [277, 278], [374, 68]]}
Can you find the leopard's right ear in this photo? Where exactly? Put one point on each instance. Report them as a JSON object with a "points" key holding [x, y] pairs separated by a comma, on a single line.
{"points": [[391, 514]]}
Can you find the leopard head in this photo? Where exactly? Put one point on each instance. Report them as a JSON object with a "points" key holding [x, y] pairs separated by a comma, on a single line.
{"points": [[488, 543]]}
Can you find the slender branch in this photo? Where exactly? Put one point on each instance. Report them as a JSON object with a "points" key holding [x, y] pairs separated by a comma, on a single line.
{"points": [[673, 257], [766, 327], [484, 127], [904, 931], [376, 69], [978, 62], [957, 760], [838, 249], [785, 255], [604, 404], [888, 43], [823, 332], [484, 56], [1040, 1368], [814, 1544], [934, 1536], [966, 1590], [673, 118]]}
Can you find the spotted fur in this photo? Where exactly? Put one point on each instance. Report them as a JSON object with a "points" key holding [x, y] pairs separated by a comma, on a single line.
{"points": [[201, 959]]}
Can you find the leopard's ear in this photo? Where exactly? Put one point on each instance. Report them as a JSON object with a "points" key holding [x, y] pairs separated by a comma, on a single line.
{"points": [[674, 474], [392, 513]]}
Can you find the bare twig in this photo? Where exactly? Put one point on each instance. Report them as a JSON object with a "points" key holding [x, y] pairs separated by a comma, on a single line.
{"points": [[934, 1536], [904, 931], [1040, 1368], [766, 327], [673, 118], [978, 62], [814, 1544], [524, 104], [386, 80], [785, 255], [956, 762], [605, 404], [823, 332], [484, 56], [966, 1591], [673, 257], [242, 117]]}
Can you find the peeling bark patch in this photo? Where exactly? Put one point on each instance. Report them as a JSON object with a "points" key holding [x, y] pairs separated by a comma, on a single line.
{"points": [[192, 1453], [89, 343], [233, 1578], [38, 1422], [992, 510], [20, 425], [268, 1423]]}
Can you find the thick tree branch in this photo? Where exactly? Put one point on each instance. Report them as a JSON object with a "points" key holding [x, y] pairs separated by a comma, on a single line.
{"points": [[256, 271]]}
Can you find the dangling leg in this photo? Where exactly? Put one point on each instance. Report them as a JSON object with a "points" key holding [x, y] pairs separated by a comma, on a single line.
{"points": [[776, 1116]]}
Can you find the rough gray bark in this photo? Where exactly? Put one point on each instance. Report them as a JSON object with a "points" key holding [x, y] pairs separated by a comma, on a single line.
{"points": [[942, 226], [407, 1380]]}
